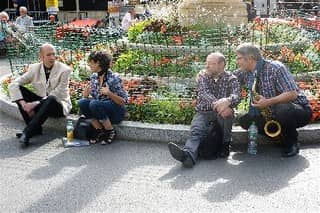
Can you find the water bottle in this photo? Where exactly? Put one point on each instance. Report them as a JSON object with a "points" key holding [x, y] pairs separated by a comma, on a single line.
{"points": [[252, 139], [70, 129]]}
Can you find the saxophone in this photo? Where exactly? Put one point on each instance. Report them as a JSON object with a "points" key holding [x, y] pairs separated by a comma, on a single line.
{"points": [[272, 128]]}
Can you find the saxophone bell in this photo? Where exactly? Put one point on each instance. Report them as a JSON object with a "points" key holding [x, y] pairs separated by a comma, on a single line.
{"points": [[272, 129]]}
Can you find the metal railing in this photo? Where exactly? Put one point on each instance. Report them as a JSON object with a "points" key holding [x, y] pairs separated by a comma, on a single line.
{"points": [[170, 43], [39, 17]]}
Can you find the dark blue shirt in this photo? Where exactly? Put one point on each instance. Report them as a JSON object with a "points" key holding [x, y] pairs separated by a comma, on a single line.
{"points": [[114, 83]]}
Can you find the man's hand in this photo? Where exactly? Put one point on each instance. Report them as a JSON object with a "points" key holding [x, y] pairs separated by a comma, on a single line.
{"points": [[260, 102], [285, 97], [221, 105], [227, 112], [29, 106]]}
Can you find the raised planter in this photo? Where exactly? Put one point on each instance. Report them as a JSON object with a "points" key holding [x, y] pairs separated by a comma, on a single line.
{"points": [[146, 132], [136, 131]]}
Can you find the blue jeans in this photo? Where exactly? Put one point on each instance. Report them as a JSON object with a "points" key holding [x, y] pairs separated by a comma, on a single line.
{"points": [[102, 110]]}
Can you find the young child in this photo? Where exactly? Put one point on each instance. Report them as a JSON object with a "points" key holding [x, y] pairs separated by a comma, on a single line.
{"points": [[106, 106]]}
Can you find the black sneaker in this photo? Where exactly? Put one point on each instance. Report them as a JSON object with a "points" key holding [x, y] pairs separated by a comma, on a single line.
{"points": [[224, 150], [188, 162], [18, 134], [180, 155], [37, 132], [291, 150], [24, 139], [176, 152]]}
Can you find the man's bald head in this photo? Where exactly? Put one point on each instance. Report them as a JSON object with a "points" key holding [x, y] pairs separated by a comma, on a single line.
{"points": [[215, 63], [217, 55], [47, 54], [46, 46]]}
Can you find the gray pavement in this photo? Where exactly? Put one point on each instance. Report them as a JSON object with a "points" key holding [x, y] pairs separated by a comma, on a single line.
{"points": [[4, 66], [142, 177]]}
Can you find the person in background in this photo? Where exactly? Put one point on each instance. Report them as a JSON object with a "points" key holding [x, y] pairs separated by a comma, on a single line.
{"points": [[24, 23], [99, 24], [50, 98], [4, 30], [128, 19], [17, 4], [103, 98], [218, 92], [106, 20], [250, 10], [52, 20], [316, 12], [277, 90], [147, 13], [4, 25]]}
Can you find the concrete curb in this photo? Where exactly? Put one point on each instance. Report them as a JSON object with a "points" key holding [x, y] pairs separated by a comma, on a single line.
{"points": [[146, 132]]}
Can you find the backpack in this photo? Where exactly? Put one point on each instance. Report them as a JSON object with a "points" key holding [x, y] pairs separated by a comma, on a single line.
{"points": [[83, 129], [209, 148]]}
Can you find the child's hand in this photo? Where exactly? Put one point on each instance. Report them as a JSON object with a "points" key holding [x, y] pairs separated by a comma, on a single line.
{"points": [[105, 90], [86, 91]]}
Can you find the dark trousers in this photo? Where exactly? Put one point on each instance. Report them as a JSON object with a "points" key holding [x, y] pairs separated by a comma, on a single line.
{"points": [[290, 116], [200, 127], [48, 107]]}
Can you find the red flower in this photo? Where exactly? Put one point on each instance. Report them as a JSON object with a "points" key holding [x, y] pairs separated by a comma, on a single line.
{"points": [[177, 39], [257, 19]]}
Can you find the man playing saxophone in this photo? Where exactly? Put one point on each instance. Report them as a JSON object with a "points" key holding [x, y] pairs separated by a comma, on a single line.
{"points": [[276, 92]]}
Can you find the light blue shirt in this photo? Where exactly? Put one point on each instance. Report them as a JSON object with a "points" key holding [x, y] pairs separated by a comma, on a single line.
{"points": [[3, 29], [24, 23]]}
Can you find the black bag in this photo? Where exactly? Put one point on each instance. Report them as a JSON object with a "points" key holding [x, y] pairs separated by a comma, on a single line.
{"points": [[209, 148], [84, 130], [245, 120]]}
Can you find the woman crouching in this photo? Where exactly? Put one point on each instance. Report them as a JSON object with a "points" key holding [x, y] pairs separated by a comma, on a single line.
{"points": [[103, 98]]}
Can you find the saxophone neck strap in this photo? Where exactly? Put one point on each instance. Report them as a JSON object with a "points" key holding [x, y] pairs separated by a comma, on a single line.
{"points": [[254, 87], [259, 67]]}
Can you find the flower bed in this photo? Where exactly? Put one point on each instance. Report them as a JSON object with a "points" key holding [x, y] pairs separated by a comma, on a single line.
{"points": [[150, 102], [161, 83], [312, 90], [162, 65]]}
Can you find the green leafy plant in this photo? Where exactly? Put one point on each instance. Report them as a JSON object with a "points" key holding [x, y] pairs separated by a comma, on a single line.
{"points": [[126, 61], [162, 111], [135, 30]]}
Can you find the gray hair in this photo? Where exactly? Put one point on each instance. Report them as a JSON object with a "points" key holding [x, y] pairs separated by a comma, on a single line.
{"points": [[250, 51], [218, 55], [4, 13], [22, 8]]}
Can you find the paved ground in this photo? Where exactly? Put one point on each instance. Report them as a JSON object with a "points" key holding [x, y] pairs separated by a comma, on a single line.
{"points": [[4, 67], [142, 177]]}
